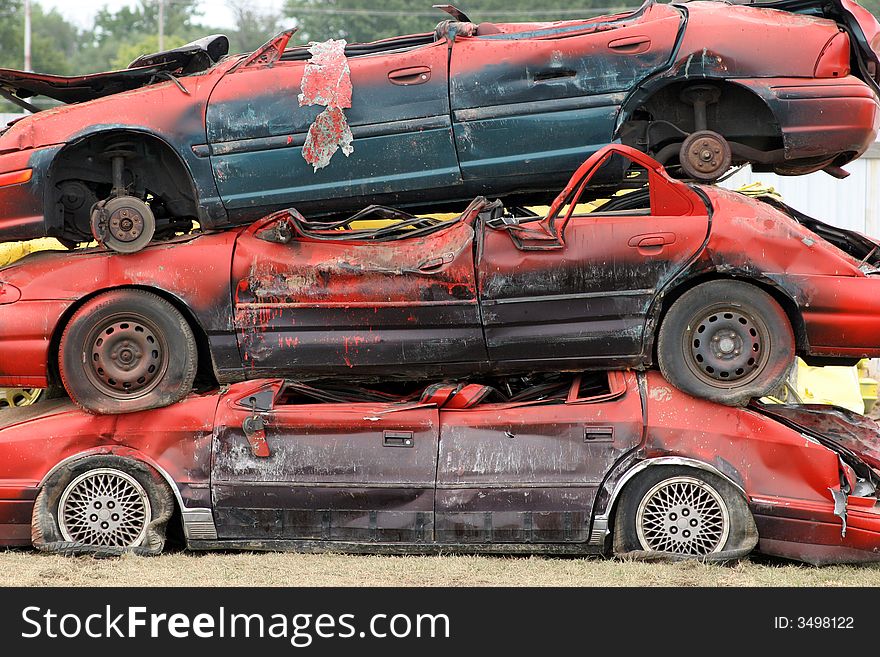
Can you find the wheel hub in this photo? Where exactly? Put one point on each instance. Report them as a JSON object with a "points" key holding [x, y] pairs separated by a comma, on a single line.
{"points": [[705, 155], [684, 516], [126, 357], [126, 224], [104, 507], [726, 346]]}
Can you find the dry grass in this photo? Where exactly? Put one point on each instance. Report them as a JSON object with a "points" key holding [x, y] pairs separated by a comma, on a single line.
{"points": [[23, 568]]}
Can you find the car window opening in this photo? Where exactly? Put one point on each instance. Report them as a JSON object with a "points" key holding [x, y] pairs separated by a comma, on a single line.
{"points": [[530, 388]]}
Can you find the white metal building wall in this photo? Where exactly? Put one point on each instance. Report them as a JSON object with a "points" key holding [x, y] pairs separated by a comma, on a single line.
{"points": [[852, 203]]}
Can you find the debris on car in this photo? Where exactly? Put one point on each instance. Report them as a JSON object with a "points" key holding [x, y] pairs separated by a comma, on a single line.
{"points": [[326, 81]]}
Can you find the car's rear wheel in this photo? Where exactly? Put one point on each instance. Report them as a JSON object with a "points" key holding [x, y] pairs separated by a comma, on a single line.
{"points": [[103, 504], [726, 341], [126, 351], [684, 512]]}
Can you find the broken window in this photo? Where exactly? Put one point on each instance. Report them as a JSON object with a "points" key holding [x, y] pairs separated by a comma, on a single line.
{"points": [[539, 388]]}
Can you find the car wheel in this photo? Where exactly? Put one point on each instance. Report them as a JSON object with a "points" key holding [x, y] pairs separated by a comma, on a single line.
{"points": [[684, 512], [14, 397], [102, 505], [126, 351], [726, 341]]}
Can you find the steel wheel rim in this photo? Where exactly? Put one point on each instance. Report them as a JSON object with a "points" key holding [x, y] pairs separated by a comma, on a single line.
{"points": [[125, 356], [726, 347], [683, 515], [104, 508]]}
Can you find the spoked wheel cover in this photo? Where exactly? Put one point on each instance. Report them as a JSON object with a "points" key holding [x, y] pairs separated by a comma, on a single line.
{"points": [[726, 346], [104, 507], [125, 356], [683, 515]]}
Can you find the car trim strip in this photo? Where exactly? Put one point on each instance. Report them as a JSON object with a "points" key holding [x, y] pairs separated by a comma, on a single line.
{"points": [[563, 297], [611, 100], [297, 139]]}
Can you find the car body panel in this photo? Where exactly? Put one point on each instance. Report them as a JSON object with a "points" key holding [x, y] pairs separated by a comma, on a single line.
{"points": [[444, 118], [507, 477], [468, 296]]}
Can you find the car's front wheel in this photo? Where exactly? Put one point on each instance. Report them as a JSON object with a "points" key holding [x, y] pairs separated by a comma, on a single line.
{"points": [[105, 505], [126, 351], [684, 512], [726, 341]]}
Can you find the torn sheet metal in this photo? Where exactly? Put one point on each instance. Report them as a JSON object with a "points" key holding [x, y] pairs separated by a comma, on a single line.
{"points": [[327, 134], [327, 81]]}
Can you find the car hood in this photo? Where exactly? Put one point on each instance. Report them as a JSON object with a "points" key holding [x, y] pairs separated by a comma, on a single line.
{"points": [[854, 437], [10, 417]]}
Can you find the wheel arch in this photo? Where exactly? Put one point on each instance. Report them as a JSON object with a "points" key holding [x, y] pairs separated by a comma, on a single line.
{"points": [[102, 135], [665, 92], [205, 367], [603, 523], [197, 523], [670, 296]]}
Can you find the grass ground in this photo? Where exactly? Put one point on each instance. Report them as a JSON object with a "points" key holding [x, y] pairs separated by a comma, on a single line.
{"points": [[29, 569]]}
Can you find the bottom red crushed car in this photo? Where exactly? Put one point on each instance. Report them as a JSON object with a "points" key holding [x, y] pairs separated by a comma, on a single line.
{"points": [[601, 462]]}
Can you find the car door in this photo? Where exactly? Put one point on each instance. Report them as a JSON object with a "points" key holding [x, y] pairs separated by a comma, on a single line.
{"points": [[330, 471], [586, 296], [549, 95], [399, 118], [330, 306], [530, 473]]}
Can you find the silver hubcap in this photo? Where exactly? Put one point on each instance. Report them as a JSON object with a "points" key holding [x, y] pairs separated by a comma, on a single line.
{"points": [[104, 507], [683, 515]]}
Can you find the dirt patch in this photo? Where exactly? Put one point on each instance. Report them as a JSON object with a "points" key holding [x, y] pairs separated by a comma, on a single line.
{"points": [[24, 568]]}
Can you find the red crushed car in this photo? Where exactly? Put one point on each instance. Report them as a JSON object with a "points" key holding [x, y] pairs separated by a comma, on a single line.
{"points": [[601, 462], [501, 109], [719, 289]]}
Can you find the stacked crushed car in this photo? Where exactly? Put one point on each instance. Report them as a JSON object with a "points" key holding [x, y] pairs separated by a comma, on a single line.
{"points": [[394, 380]]}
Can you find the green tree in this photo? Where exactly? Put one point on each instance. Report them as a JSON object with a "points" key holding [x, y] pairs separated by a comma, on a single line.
{"points": [[253, 27], [361, 20]]}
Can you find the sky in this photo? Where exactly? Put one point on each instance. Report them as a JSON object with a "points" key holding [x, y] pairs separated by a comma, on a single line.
{"points": [[81, 12]]}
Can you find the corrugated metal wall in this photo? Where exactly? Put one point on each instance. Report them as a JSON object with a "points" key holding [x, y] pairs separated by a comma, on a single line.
{"points": [[853, 202]]}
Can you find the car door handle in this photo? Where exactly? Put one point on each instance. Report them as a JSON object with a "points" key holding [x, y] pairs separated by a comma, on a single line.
{"points": [[652, 239], [651, 243], [407, 77], [630, 45], [398, 438]]}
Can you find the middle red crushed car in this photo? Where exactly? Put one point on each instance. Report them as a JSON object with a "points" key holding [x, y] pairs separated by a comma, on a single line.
{"points": [[628, 268], [587, 463]]}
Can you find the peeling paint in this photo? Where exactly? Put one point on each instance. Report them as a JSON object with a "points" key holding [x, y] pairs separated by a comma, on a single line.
{"points": [[327, 81]]}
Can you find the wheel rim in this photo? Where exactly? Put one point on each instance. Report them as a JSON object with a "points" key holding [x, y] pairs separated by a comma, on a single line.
{"points": [[106, 508], [11, 397], [126, 356], [726, 346], [683, 515]]}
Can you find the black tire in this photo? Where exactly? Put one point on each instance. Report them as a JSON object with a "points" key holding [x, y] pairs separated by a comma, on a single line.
{"points": [[127, 351], [58, 524], [715, 316], [637, 530]]}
